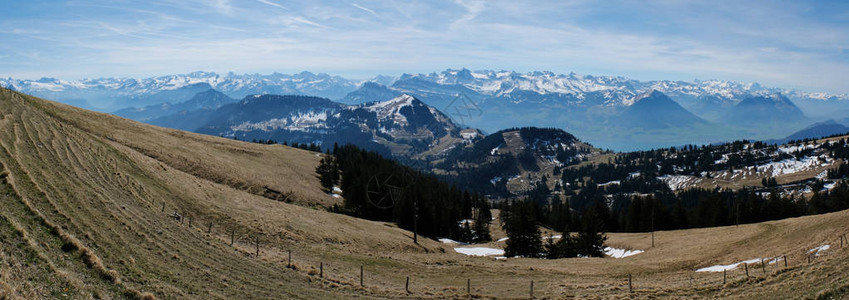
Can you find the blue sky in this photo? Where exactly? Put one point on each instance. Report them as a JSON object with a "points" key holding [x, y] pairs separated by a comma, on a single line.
{"points": [[792, 44]]}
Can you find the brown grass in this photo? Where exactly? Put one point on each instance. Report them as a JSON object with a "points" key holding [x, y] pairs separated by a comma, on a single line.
{"points": [[81, 183]]}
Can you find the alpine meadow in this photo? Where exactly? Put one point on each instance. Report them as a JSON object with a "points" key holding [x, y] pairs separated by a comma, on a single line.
{"points": [[451, 149]]}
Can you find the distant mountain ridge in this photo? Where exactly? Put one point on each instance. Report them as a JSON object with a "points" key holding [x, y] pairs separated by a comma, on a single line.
{"points": [[402, 126], [591, 107], [618, 90], [109, 94], [814, 131], [654, 110], [762, 109], [208, 100]]}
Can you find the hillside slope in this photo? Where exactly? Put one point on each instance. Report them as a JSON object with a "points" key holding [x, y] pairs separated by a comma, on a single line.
{"points": [[89, 198], [82, 196]]}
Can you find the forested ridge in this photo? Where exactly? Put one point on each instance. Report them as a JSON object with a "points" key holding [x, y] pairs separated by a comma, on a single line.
{"points": [[624, 194]]}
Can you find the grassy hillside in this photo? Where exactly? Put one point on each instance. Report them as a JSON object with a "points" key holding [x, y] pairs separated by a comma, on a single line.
{"points": [[82, 217]]}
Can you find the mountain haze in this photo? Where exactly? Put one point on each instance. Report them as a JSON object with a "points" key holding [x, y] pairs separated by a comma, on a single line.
{"points": [[585, 105], [654, 110]]}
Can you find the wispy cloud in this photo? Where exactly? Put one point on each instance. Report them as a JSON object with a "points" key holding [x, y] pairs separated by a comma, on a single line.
{"points": [[365, 9], [800, 44], [269, 2], [223, 6]]}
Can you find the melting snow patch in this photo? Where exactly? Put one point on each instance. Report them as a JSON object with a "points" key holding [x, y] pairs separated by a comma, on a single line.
{"points": [[775, 260], [620, 253], [819, 249], [450, 241], [480, 251], [789, 166], [679, 182], [720, 268], [502, 239], [616, 182], [337, 189], [829, 186], [494, 151]]}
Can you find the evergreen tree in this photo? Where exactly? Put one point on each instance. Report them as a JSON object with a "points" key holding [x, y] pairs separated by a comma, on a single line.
{"points": [[565, 247], [591, 238], [522, 231], [481, 222], [328, 172]]}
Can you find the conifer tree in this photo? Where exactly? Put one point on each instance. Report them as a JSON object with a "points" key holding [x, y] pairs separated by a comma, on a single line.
{"points": [[522, 231]]}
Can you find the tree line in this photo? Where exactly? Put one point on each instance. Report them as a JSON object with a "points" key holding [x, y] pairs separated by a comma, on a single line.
{"points": [[377, 188]]}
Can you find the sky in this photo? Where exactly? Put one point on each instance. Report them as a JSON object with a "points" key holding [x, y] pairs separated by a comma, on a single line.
{"points": [[789, 44]]}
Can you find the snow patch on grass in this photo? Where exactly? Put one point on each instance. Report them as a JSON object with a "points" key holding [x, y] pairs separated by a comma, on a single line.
{"points": [[450, 241], [819, 249], [679, 182], [480, 251], [620, 253], [720, 268]]}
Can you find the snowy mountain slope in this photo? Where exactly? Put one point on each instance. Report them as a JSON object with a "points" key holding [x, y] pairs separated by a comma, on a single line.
{"points": [[617, 90], [400, 126], [109, 94], [585, 105], [620, 89]]}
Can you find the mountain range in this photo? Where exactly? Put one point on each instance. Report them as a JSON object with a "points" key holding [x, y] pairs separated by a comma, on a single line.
{"points": [[402, 126], [604, 110]]}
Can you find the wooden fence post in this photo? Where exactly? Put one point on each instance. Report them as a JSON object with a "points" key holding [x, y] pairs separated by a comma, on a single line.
{"points": [[289, 264], [785, 261], [652, 239], [407, 285], [763, 266], [233, 237], [747, 269], [163, 205], [361, 276], [209, 228], [724, 276], [190, 221], [321, 270], [468, 286], [630, 284], [257, 246], [532, 289]]}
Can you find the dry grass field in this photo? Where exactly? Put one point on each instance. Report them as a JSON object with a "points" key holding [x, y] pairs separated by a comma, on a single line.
{"points": [[87, 203]]}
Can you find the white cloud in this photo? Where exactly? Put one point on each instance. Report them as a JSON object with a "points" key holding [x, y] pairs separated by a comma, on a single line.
{"points": [[223, 6], [269, 2], [365, 9], [661, 40]]}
